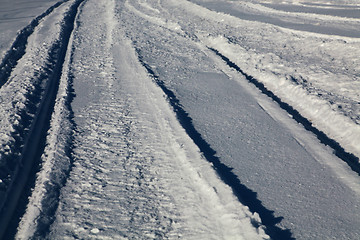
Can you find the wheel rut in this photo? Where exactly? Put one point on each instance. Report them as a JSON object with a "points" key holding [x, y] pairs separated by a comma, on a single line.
{"points": [[339, 151], [30, 135]]}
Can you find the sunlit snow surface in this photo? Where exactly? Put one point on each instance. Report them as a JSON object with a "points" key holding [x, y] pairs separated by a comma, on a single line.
{"points": [[135, 172], [262, 155]]}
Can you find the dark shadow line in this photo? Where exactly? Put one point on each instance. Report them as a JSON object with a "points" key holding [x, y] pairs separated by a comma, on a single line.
{"points": [[245, 195]]}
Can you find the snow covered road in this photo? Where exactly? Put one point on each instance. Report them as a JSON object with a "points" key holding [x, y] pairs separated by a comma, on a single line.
{"points": [[136, 174], [168, 120]]}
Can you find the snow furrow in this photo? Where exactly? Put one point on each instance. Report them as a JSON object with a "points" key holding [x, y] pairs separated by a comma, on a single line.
{"points": [[32, 87], [56, 160]]}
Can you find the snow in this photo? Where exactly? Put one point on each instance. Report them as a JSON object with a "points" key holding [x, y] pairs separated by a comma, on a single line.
{"points": [[95, 231], [15, 15], [298, 73], [140, 165], [286, 176], [322, 114], [324, 22], [55, 162], [154, 135], [29, 78]]}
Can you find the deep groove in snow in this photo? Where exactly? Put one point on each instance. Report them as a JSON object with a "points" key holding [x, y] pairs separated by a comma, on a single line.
{"points": [[339, 151], [17, 49], [29, 148], [245, 195], [57, 179]]}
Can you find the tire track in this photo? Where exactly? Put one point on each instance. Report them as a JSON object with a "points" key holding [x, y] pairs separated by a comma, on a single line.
{"points": [[34, 123], [349, 158], [245, 195]]}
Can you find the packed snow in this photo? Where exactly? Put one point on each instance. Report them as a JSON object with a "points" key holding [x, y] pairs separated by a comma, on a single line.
{"points": [[136, 174], [156, 130]]}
